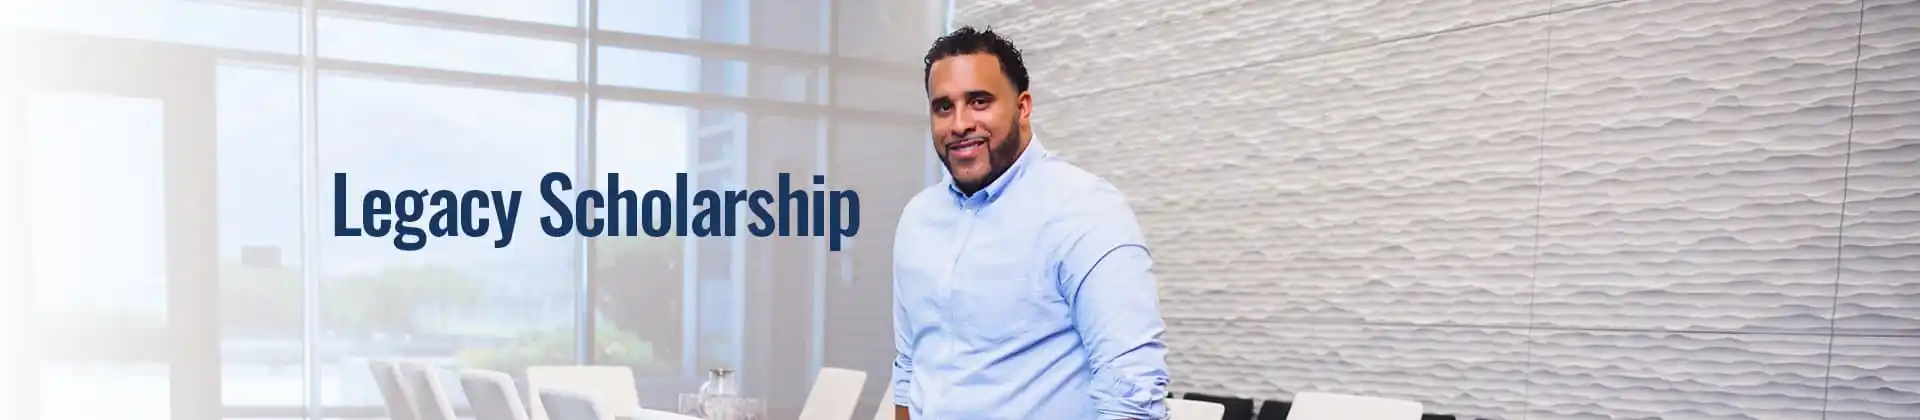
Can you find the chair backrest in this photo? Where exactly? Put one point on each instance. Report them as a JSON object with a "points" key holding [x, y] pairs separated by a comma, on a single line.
{"points": [[1178, 409], [612, 387], [1274, 410], [393, 390], [835, 394], [885, 412], [429, 397], [559, 404], [1236, 408], [492, 395], [1325, 406]]}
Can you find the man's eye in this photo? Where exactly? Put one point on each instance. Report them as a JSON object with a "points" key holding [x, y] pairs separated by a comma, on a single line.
{"points": [[979, 103]]}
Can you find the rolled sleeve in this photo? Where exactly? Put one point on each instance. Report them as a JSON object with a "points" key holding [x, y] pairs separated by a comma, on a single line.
{"points": [[1108, 281], [903, 351], [902, 378]]}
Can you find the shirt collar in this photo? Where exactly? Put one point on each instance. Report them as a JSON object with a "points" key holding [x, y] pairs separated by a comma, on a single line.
{"points": [[992, 192]]}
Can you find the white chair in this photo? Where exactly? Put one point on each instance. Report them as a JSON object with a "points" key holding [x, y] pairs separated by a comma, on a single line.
{"points": [[558, 404], [1326, 406], [835, 393], [886, 407], [1178, 409], [394, 392], [429, 398], [611, 387], [492, 395]]}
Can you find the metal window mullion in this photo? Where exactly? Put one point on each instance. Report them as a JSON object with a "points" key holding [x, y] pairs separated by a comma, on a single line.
{"points": [[742, 139], [458, 78], [822, 159], [690, 248], [427, 18], [309, 217], [587, 149]]}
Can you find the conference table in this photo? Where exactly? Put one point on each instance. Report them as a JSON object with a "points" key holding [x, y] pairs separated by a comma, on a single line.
{"points": [[645, 414], [738, 408]]}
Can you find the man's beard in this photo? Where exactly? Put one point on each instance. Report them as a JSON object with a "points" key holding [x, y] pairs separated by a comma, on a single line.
{"points": [[1000, 157]]}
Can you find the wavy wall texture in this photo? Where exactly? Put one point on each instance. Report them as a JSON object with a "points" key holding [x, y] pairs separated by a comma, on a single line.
{"points": [[1592, 209], [1694, 173], [1880, 270]]}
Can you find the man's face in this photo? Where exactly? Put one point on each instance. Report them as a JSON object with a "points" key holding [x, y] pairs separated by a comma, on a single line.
{"points": [[977, 118]]}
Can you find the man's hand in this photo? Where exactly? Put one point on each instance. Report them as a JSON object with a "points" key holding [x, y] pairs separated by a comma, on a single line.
{"points": [[900, 413]]}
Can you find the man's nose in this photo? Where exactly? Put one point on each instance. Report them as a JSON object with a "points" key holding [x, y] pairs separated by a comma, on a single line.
{"points": [[962, 123]]}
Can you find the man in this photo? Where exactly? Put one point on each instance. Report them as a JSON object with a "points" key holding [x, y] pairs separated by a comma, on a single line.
{"points": [[1022, 287]]}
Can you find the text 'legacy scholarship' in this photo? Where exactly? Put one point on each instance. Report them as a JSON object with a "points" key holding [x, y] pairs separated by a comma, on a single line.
{"points": [[812, 210]]}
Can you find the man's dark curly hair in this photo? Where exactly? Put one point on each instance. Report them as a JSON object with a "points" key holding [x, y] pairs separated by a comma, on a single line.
{"points": [[967, 40]]}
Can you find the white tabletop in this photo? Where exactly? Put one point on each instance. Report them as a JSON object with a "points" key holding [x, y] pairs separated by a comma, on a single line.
{"points": [[646, 414]]}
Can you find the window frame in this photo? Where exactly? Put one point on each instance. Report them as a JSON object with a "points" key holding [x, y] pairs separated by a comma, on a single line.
{"points": [[818, 105]]}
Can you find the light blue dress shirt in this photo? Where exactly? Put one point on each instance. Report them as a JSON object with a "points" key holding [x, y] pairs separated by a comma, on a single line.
{"points": [[1030, 299]]}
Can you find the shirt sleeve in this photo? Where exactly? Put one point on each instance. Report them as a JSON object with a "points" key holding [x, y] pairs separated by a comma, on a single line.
{"points": [[1107, 280], [903, 351]]}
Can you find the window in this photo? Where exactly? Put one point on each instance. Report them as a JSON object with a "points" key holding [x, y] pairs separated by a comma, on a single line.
{"points": [[456, 301], [260, 28], [102, 304], [656, 70], [248, 306], [552, 12], [258, 178], [408, 45], [668, 18], [644, 299]]}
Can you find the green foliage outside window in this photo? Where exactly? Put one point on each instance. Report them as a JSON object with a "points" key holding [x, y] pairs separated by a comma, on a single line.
{"points": [[612, 346]]}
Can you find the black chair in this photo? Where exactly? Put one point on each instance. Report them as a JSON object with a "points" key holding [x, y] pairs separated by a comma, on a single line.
{"points": [[1237, 408], [1274, 410]]}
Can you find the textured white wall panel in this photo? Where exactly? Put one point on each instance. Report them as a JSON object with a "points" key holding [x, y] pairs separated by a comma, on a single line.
{"points": [[1880, 277], [1619, 209], [1091, 21], [1694, 165], [1875, 378], [1483, 369], [1609, 375], [1243, 158], [1466, 371], [1562, 5], [1428, 152], [1229, 358], [1385, 194], [1362, 21], [1070, 62]]}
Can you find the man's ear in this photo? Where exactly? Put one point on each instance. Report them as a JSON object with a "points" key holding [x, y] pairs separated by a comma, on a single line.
{"points": [[1026, 111]]}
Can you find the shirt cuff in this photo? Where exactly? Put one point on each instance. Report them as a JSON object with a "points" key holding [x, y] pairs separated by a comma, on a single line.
{"points": [[1121, 397], [902, 379]]}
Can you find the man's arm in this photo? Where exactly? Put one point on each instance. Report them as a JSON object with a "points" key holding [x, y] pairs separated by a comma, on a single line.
{"points": [[903, 353], [1107, 281]]}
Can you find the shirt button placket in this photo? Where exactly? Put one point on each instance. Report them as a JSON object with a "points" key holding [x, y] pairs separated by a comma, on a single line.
{"points": [[968, 212], [944, 292]]}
